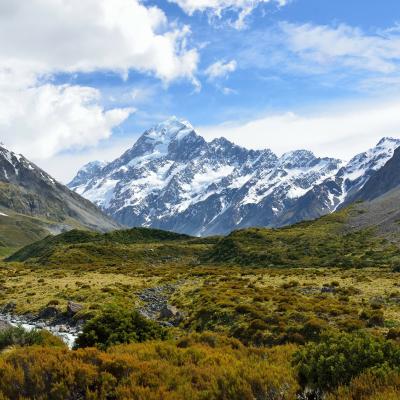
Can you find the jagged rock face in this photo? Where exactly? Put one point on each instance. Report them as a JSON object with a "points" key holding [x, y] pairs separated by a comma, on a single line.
{"points": [[87, 172], [26, 189], [342, 188], [173, 179], [383, 181]]}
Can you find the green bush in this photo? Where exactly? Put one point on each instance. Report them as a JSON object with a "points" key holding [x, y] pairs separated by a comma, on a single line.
{"points": [[337, 359], [117, 325], [18, 336]]}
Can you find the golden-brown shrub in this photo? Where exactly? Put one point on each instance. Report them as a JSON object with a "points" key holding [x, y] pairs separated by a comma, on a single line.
{"points": [[206, 366]]}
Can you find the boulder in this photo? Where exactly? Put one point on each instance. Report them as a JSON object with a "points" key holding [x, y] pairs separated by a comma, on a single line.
{"points": [[4, 325], [74, 308], [9, 307], [328, 289], [48, 312], [169, 312]]}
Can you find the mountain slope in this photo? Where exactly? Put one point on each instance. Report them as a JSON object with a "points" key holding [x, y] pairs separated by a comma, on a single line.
{"points": [[33, 204], [325, 242], [383, 181], [173, 179], [378, 201]]}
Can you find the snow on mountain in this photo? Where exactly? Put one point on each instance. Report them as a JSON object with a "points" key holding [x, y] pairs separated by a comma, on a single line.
{"points": [[12, 164], [339, 189], [173, 179], [357, 172], [86, 173], [352, 177]]}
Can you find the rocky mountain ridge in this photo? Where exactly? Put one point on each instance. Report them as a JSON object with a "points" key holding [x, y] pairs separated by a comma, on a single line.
{"points": [[33, 204]]}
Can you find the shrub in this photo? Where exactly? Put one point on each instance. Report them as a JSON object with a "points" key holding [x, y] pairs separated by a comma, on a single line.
{"points": [[18, 336], [393, 334], [376, 319], [370, 386], [206, 366], [339, 358], [115, 325], [396, 268]]}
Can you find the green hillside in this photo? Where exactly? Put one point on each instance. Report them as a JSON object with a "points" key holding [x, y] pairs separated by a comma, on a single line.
{"points": [[137, 244], [326, 242], [17, 230]]}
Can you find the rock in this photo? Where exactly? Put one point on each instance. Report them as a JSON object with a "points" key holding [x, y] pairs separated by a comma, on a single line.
{"points": [[4, 325], [29, 316], [328, 289], [63, 329], [48, 312], [9, 307], [74, 308], [169, 312], [377, 302]]}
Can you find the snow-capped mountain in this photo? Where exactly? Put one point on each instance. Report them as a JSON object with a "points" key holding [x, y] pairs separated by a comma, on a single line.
{"points": [[342, 188], [173, 179], [87, 172]]}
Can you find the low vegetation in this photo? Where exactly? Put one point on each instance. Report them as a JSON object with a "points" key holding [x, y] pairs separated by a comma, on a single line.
{"points": [[263, 314], [117, 325], [337, 359], [326, 242], [197, 367]]}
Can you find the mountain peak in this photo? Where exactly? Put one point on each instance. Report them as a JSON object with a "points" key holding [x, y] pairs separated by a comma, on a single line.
{"points": [[388, 141], [94, 164], [88, 171], [297, 158], [171, 129]]}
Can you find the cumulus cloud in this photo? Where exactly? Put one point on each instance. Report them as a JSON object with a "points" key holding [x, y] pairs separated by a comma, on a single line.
{"points": [[217, 7], [339, 133], [40, 38], [220, 69], [76, 36], [41, 121]]}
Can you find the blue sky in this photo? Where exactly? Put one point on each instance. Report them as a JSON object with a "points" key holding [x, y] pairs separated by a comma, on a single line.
{"points": [[316, 74], [258, 84]]}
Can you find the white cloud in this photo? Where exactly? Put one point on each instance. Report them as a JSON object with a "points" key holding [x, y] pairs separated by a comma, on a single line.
{"points": [[344, 46], [220, 69], [76, 36], [44, 120], [217, 7], [40, 38], [340, 133]]}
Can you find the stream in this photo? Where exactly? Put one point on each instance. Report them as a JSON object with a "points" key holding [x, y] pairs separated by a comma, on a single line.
{"points": [[67, 333]]}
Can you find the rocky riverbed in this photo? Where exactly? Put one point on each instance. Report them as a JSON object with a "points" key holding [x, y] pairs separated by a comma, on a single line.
{"points": [[66, 332], [156, 307], [61, 324]]}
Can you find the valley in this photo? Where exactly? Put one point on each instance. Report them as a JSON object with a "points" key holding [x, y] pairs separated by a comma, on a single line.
{"points": [[288, 263]]}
